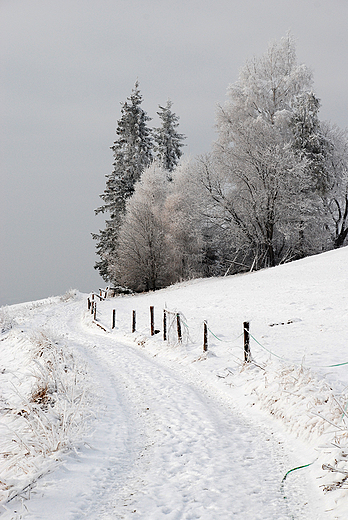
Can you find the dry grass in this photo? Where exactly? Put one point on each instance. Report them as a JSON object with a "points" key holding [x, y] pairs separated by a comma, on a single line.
{"points": [[71, 294], [44, 415]]}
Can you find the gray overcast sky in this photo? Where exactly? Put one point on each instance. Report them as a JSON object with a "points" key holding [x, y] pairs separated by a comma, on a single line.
{"points": [[66, 67]]}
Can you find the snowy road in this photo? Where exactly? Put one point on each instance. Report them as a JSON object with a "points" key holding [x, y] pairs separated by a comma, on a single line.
{"points": [[166, 445]]}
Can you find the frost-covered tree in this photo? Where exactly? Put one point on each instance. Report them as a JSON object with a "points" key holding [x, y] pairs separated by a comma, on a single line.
{"points": [[335, 197], [325, 149], [309, 140], [132, 151], [258, 181], [168, 142], [159, 240], [182, 217], [141, 260], [268, 86]]}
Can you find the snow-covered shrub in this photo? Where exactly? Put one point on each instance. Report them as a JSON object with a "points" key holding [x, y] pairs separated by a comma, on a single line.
{"points": [[58, 393], [6, 321], [71, 294], [44, 410]]}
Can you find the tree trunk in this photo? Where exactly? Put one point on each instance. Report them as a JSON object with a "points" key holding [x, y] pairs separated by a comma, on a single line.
{"points": [[342, 234], [340, 238]]}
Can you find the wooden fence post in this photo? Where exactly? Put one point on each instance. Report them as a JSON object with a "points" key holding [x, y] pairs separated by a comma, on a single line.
{"points": [[95, 310], [133, 321], [178, 327], [92, 307], [247, 355], [88, 304], [164, 325], [113, 318], [152, 320], [205, 336]]}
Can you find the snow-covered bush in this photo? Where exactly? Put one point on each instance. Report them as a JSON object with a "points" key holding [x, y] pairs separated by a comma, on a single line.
{"points": [[71, 294], [44, 410], [6, 321]]}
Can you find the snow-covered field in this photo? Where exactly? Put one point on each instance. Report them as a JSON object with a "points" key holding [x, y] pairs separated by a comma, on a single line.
{"points": [[112, 424]]}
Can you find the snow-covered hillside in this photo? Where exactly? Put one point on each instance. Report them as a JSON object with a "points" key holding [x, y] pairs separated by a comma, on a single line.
{"points": [[113, 424]]}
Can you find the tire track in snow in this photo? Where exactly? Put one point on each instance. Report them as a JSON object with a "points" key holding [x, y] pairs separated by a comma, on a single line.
{"points": [[199, 459]]}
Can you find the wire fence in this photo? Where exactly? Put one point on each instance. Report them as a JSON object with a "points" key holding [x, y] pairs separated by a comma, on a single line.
{"points": [[176, 331]]}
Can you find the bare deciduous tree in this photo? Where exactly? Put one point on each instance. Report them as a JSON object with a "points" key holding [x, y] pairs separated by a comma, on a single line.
{"points": [[335, 199], [141, 259]]}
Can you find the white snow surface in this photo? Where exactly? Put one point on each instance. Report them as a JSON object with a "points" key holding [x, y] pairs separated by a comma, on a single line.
{"points": [[110, 424]]}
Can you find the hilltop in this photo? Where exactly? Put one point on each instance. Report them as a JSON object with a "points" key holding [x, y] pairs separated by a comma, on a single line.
{"points": [[126, 425]]}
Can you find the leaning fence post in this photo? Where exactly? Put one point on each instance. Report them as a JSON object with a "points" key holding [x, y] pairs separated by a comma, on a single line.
{"points": [[152, 320], [133, 321], [88, 303], [246, 342], [205, 336], [178, 327], [113, 318], [164, 325]]}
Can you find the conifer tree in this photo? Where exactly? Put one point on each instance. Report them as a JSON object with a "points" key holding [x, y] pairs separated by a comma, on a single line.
{"points": [[132, 151], [168, 142]]}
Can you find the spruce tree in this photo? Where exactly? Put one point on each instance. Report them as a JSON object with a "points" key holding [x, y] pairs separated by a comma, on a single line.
{"points": [[168, 142], [132, 152]]}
